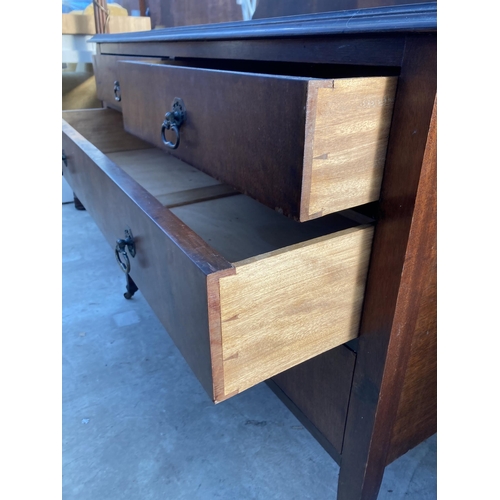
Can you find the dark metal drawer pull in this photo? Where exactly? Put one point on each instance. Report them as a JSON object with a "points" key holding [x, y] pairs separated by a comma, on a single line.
{"points": [[64, 158], [116, 90], [173, 121], [131, 288], [122, 245], [121, 248]]}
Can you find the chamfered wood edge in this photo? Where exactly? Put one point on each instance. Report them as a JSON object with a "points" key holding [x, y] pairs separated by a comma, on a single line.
{"points": [[215, 332], [363, 197], [338, 234], [427, 197], [198, 251], [311, 109]]}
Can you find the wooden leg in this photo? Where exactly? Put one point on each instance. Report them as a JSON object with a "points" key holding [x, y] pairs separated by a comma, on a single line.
{"points": [[78, 203], [401, 254]]}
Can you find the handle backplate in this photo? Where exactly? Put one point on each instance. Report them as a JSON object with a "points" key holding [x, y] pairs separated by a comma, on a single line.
{"points": [[173, 121]]}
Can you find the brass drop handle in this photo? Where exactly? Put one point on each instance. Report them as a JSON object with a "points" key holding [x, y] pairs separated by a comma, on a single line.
{"points": [[121, 255], [173, 121], [117, 91]]}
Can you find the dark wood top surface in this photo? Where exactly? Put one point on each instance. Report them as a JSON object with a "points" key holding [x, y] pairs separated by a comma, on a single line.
{"points": [[399, 19]]}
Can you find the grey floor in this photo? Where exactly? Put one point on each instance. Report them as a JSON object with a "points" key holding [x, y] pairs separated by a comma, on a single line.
{"points": [[137, 425]]}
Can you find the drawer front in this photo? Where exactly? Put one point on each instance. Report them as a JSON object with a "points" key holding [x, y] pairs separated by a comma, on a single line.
{"points": [[305, 147], [108, 80], [236, 323], [106, 74], [170, 266]]}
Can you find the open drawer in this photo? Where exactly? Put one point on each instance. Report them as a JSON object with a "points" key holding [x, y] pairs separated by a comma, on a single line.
{"points": [[306, 147], [244, 292]]}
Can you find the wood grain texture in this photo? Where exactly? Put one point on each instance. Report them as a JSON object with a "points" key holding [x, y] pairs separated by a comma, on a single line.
{"points": [[253, 121], [347, 137], [396, 292], [104, 129], [392, 304], [160, 173], [276, 310], [233, 224], [416, 418], [238, 227], [79, 90], [310, 130], [215, 327], [304, 165], [107, 72], [213, 319], [171, 181], [319, 389], [402, 249]]}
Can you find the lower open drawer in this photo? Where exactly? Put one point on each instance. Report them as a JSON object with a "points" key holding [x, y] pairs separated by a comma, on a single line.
{"points": [[244, 292]]}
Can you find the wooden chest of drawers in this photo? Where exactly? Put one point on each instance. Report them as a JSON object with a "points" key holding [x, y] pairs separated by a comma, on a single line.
{"points": [[318, 278]]}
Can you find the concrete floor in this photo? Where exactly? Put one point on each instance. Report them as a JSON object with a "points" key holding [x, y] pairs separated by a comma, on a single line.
{"points": [[137, 425]]}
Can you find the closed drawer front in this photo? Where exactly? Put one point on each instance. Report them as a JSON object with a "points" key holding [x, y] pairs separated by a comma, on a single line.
{"points": [[303, 146], [108, 86], [244, 292]]}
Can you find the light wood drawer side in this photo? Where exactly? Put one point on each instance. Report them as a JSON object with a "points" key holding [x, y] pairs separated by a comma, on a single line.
{"points": [[347, 131], [282, 308]]}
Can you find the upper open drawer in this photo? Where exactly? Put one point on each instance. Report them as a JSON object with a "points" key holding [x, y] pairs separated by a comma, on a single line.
{"points": [[244, 292], [305, 147]]}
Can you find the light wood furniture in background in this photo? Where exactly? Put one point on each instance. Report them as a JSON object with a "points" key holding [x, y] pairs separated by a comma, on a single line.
{"points": [[75, 24], [78, 80], [78, 84]]}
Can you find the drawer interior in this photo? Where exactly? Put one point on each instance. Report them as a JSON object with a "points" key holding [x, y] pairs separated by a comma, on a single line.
{"points": [[272, 292], [235, 225]]}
